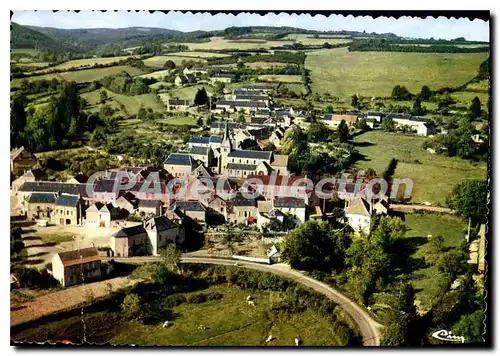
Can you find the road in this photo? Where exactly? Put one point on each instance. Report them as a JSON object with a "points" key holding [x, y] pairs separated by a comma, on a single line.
{"points": [[368, 327]]}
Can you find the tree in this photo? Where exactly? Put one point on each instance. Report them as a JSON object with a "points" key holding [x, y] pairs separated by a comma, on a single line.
{"points": [[362, 124], [18, 118], [201, 97], [469, 199], [471, 326], [315, 246], [329, 109], [103, 95], [171, 257], [401, 93], [417, 108], [219, 88], [318, 132], [199, 122], [241, 118], [475, 108], [169, 64], [425, 93], [343, 131], [388, 125], [16, 241], [355, 102], [240, 65], [131, 306], [403, 316], [142, 113]]}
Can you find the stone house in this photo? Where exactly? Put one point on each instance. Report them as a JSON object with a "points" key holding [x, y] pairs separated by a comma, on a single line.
{"points": [[150, 207], [98, 215], [359, 215], [295, 208], [179, 164], [77, 266], [21, 160], [127, 201], [242, 210], [177, 104], [31, 175], [128, 240], [67, 210], [192, 209], [39, 206]]}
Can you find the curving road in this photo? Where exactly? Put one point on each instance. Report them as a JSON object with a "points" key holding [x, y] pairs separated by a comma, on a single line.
{"points": [[368, 327]]}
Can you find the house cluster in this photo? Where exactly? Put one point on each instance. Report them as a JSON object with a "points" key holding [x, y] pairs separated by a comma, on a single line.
{"points": [[249, 98], [418, 124]]}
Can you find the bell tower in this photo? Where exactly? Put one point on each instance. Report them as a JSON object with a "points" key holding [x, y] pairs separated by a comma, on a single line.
{"points": [[225, 149]]}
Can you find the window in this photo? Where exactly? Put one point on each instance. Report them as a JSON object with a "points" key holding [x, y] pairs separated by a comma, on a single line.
{"points": [[245, 214]]}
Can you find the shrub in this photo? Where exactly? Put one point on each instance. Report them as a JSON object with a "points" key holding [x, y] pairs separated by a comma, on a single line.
{"points": [[131, 306]]}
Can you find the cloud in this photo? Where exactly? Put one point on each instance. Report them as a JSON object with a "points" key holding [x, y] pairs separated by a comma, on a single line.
{"points": [[405, 26]]}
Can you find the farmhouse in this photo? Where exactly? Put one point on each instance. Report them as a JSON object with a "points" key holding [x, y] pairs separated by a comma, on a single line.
{"points": [[21, 160], [222, 77], [67, 210], [77, 266], [98, 215], [334, 120], [181, 80], [359, 215], [192, 209], [242, 210], [420, 125], [177, 104], [40, 206], [179, 164], [195, 70]]}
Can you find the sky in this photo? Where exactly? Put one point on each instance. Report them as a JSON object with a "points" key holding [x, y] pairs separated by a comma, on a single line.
{"points": [[440, 27]]}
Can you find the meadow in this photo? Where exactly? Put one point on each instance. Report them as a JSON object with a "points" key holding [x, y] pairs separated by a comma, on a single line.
{"points": [[427, 279], [159, 61], [126, 104], [434, 176], [186, 93], [265, 65], [240, 324], [86, 62], [82, 76], [199, 54], [218, 43], [281, 78], [343, 73], [307, 39]]}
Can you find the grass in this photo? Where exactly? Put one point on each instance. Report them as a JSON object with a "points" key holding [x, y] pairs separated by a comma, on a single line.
{"points": [[186, 93], [217, 43], [159, 61], [464, 98], [82, 76], [266, 65], [199, 54], [427, 278], [281, 78], [55, 237], [434, 176], [88, 62], [156, 75], [296, 87], [178, 120], [306, 39], [229, 321], [128, 105], [343, 73]]}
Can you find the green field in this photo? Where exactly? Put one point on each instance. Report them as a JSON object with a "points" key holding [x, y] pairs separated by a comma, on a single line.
{"points": [[229, 321], [156, 75], [427, 279], [130, 103], [186, 93], [265, 65], [306, 39], [159, 61], [82, 76], [216, 43], [434, 176], [199, 54], [343, 73], [88, 62], [281, 78]]}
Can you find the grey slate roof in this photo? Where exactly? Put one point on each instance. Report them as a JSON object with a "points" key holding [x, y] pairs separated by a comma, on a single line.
{"points": [[289, 203], [200, 140], [198, 151], [67, 200], [251, 154], [42, 198], [178, 102], [241, 166], [179, 159], [160, 223], [53, 187], [239, 200], [130, 231], [149, 203], [251, 97], [187, 206]]}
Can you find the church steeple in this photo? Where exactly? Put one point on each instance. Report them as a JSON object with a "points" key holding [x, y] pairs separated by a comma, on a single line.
{"points": [[226, 140]]}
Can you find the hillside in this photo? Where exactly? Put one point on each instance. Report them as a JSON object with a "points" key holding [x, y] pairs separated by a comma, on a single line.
{"points": [[25, 37]]}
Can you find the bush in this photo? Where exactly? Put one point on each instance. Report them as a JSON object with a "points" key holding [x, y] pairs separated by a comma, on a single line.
{"points": [[131, 306], [196, 298]]}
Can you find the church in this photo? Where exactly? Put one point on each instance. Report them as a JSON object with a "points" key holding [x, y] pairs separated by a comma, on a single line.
{"points": [[223, 158]]}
